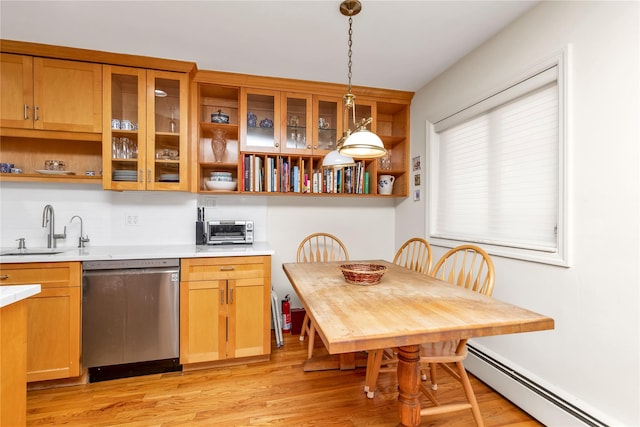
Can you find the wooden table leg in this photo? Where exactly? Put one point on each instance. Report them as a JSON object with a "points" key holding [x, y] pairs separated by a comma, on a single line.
{"points": [[408, 385]]}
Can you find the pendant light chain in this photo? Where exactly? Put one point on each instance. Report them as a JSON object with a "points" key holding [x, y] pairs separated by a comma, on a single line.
{"points": [[350, 51], [351, 100]]}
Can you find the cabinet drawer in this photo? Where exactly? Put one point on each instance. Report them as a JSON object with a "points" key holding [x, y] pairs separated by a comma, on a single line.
{"points": [[47, 274], [224, 268]]}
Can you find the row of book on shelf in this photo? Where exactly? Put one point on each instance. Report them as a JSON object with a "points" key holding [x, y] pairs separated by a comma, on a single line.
{"points": [[277, 174]]}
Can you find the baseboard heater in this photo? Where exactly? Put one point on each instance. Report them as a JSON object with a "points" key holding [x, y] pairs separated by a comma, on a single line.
{"points": [[479, 363]]}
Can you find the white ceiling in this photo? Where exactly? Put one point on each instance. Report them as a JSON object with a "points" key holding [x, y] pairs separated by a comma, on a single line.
{"points": [[396, 44]]}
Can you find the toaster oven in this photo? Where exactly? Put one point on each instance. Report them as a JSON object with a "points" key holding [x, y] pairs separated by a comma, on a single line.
{"points": [[229, 232]]}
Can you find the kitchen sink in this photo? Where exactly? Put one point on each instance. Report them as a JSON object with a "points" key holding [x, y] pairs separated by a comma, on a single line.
{"points": [[38, 251]]}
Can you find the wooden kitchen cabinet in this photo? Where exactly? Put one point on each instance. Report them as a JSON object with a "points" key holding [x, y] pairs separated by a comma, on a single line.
{"points": [[225, 308], [50, 109], [13, 364], [66, 86], [53, 317], [308, 120], [50, 94], [208, 100], [151, 152]]}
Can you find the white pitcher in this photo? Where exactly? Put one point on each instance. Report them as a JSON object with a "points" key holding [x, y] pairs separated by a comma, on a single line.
{"points": [[385, 184]]}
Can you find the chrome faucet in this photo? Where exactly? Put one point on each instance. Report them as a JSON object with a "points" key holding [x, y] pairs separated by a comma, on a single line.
{"points": [[81, 240], [48, 220]]}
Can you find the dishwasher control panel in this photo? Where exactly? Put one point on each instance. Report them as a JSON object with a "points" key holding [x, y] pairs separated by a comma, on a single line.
{"points": [[130, 263]]}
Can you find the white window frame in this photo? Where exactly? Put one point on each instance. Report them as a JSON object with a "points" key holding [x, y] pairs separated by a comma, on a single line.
{"points": [[559, 257]]}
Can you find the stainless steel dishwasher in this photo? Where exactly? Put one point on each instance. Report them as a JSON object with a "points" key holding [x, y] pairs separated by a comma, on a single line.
{"points": [[130, 317]]}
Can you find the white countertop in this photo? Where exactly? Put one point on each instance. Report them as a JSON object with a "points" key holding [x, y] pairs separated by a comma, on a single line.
{"points": [[11, 294], [100, 253]]}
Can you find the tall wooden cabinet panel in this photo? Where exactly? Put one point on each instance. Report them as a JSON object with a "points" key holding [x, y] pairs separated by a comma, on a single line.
{"points": [[51, 94], [214, 101], [53, 317], [224, 308], [145, 129]]}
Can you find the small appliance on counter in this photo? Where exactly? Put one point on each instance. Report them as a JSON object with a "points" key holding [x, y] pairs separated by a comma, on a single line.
{"points": [[223, 231], [229, 232]]}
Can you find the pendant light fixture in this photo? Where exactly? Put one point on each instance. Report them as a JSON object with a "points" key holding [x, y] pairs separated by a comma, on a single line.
{"points": [[359, 142]]}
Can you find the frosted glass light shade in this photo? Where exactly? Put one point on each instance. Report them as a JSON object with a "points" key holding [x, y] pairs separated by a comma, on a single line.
{"points": [[333, 158], [363, 144]]}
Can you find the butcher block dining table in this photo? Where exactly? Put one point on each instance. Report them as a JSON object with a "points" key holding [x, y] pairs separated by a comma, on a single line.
{"points": [[403, 310]]}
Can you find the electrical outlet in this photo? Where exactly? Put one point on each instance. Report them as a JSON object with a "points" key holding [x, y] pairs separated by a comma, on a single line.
{"points": [[131, 220]]}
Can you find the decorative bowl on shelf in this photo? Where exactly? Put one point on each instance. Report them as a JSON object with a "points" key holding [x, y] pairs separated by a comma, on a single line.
{"points": [[221, 185], [363, 274], [221, 176], [220, 117]]}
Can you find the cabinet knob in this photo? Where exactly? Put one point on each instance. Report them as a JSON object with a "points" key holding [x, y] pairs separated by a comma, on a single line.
{"points": [[4, 277], [141, 175], [36, 117], [227, 268], [26, 112], [277, 144]]}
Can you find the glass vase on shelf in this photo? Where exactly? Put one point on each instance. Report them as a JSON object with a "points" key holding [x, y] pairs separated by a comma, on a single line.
{"points": [[385, 162], [219, 144]]}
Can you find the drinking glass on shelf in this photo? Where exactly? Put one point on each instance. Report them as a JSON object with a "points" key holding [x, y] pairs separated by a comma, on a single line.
{"points": [[125, 148], [115, 147], [172, 121]]}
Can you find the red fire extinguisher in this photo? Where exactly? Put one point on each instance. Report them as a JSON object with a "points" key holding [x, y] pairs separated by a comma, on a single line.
{"points": [[286, 314]]}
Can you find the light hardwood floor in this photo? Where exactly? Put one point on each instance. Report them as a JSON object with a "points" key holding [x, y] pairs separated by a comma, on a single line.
{"points": [[275, 393]]}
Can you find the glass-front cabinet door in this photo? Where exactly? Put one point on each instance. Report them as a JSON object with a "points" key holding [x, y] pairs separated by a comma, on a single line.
{"points": [[327, 123], [124, 128], [297, 123], [167, 123], [144, 129], [260, 120]]}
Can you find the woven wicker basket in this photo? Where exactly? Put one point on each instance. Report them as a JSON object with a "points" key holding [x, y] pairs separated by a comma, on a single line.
{"points": [[363, 274]]}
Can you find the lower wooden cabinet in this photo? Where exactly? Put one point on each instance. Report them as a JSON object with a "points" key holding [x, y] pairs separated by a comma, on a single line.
{"points": [[225, 306], [53, 317], [13, 366]]}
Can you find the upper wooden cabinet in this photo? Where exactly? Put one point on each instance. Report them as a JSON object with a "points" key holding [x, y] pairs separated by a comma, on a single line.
{"points": [[52, 108], [279, 130], [50, 94], [145, 129]]}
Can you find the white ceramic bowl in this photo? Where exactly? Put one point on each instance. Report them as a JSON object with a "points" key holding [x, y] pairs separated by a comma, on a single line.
{"points": [[221, 185]]}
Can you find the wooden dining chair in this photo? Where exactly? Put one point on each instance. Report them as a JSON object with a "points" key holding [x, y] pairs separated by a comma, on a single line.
{"points": [[415, 254], [471, 268], [318, 247]]}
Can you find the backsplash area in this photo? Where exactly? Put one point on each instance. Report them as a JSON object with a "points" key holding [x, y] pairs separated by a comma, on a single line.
{"points": [[115, 218]]}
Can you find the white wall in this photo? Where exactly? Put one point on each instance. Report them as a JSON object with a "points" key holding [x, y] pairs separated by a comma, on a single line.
{"points": [[364, 224], [592, 356]]}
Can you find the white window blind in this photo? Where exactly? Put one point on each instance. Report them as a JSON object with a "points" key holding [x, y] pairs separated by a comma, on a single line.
{"points": [[497, 169]]}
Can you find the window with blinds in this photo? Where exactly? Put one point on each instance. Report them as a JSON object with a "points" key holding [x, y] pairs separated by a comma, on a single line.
{"points": [[496, 172]]}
